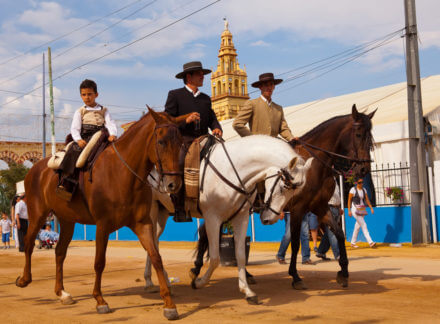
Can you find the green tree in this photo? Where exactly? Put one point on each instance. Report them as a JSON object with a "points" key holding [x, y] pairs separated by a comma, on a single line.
{"points": [[8, 179]]}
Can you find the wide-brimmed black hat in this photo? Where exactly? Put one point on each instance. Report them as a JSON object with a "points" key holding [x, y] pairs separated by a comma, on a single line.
{"points": [[266, 77], [190, 67]]}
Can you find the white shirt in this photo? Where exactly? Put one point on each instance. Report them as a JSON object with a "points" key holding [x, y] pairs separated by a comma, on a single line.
{"points": [[192, 92], [266, 101], [335, 200], [21, 209], [75, 129], [5, 225]]}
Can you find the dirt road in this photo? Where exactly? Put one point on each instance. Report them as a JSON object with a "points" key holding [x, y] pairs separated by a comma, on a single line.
{"points": [[386, 285]]}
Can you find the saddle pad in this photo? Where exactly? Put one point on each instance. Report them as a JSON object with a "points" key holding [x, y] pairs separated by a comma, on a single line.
{"points": [[55, 160], [192, 168], [82, 159]]}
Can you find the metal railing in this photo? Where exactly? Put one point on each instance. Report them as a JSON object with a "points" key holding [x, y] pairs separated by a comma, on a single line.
{"points": [[391, 175]]}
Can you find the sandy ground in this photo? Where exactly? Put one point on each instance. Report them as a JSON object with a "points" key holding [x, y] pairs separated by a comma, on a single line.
{"points": [[386, 285]]}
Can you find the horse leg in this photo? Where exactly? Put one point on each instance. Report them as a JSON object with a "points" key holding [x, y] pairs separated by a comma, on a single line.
{"points": [[240, 224], [212, 229], [342, 276], [146, 236], [202, 247], [295, 230], [66, 234], [162, 217], [101, 248], [29, 243]]}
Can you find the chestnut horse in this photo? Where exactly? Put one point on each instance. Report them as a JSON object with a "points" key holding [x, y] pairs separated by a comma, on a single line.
{"points": [[348, 137], [118, 196]]}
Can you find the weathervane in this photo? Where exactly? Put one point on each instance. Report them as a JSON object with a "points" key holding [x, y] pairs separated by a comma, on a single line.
{"points": [[226, 24]]}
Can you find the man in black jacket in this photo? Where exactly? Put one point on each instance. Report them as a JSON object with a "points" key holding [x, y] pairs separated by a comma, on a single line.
{"points": [[187, 100]]}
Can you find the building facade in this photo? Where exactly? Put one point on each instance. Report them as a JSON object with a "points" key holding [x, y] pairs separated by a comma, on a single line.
{"points": [[228, 82]]}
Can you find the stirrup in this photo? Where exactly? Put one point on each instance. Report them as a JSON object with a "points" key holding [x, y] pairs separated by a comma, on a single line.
{"points": [[181, 216]]}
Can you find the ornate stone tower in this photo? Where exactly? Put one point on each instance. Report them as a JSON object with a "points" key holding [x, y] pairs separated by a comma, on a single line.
{"points": [[229, 82]]}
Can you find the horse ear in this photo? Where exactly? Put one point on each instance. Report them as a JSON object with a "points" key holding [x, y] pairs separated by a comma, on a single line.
{"points": [[293, 163], [308, 163], [154, 114], [370, 115], [354, 112]]}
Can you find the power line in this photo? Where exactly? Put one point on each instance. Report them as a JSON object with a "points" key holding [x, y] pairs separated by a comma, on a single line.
{"points": [[69, 33], [80, 43], [116, 50]]}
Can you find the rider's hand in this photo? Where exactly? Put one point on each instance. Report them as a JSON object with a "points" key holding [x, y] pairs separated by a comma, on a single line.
{"points": [[82, 143], [217, 132], [193, 117], [18, 225], [111, 138]]}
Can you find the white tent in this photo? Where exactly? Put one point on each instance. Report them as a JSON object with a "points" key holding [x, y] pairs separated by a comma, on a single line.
{"points": [[390, 127]]}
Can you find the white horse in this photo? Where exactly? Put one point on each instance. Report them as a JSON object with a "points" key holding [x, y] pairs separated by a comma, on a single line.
{"points": [[256, 158]]}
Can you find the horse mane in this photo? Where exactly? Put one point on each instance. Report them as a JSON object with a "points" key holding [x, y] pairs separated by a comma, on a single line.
{"points": [[363, 118]]}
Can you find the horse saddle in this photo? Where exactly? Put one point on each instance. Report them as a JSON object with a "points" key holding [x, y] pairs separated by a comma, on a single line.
{"points": [[198, 149], [56, 160]]}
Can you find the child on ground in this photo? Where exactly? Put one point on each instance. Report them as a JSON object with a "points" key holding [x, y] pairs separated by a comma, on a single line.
{"points": [[48, 237], [6, 225], [87, 120]]}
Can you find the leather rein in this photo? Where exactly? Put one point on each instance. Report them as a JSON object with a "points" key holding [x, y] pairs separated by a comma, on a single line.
{"points": [[283, 175], [330, 153], [161, 172]]}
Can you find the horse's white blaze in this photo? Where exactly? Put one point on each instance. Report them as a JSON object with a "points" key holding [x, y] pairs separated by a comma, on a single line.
{"points": [[255, 158]]}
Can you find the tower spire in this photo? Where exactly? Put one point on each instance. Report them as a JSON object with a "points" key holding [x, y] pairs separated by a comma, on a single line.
{"points": [[228, 81]]}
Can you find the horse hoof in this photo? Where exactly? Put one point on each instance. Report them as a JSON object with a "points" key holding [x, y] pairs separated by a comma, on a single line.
{"points": [[251, 280], [68, 300], [103, 309], [151, 289], [253, 300], [299, 285], [193, 284], [340, 279], [171, 314], [19, 282]]}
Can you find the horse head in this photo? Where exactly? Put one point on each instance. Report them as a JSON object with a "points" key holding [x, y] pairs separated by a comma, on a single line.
{"points": [[281, 185], [165, 149], [358, 141]]}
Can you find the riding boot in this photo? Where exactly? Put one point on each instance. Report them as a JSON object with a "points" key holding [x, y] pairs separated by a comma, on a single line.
{"points": [[180, 214]]}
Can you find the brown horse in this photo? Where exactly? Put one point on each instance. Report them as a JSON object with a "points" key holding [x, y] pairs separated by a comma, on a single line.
{"points": [[118, 196], [348, 135]]}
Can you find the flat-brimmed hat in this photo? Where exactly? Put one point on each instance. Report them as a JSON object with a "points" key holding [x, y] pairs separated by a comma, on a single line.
{"points": [[191, 67], [266, 77]]}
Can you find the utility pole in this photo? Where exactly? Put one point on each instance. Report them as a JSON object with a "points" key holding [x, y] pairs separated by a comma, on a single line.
{"points": [[44, 109], [52, 113], [52, 120], [419, 183]]}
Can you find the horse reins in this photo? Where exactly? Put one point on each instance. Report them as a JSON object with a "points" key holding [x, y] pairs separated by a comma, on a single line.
{"points": [[161, 172]]}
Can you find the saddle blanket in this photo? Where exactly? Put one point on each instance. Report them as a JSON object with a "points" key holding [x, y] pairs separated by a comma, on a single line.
{"points": [[55, 161]]}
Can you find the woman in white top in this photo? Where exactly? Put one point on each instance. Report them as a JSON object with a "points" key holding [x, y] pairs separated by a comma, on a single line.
{"points": [[356, 199]]}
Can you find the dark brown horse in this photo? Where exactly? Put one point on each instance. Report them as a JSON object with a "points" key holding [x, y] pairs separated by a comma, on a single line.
{"points": [[348, 135], [117, 197]]}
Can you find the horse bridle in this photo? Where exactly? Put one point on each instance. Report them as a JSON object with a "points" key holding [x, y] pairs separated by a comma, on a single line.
{"points": [[287, 179], [161, 172], [159, 161]]}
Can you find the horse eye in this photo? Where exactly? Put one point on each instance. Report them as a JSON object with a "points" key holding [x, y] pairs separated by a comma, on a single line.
{"points": [[161, 142]]}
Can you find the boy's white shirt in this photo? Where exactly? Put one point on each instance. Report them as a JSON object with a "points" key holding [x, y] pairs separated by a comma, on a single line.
{"points": [[6, 225], [75, 129]]}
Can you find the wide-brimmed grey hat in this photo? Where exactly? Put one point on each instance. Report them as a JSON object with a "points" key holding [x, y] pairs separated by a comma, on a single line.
{"points": [[266, 77], [191, 67]]}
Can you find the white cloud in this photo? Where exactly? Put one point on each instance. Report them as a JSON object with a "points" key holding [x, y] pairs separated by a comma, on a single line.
{"points": [[260, 43]]}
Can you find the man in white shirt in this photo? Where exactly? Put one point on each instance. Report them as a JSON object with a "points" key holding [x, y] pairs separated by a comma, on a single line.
{"points": [[21, 218]]}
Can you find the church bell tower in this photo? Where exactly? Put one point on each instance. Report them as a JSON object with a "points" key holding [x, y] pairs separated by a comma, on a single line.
{"points": [[228, 82]]}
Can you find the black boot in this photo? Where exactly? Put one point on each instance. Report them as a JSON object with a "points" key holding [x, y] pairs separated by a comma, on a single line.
{"points": [[66, 188], [180, 214]]}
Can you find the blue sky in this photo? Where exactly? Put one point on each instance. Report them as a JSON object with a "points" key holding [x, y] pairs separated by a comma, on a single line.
{"points": [[276, 36]]}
